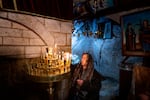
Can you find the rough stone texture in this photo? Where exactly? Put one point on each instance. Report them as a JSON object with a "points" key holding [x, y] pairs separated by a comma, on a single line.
{"points": [[11, 50], [60, 38], [69, 37], [10, 32], [5, 23], [52, 25], [21, 30], [36, 42], [3, 14], [1, 41], [15, 41], [29, 34], [32, 50], [35, 25], [32, 55], [66, 27], [41, 20], [18, 26]]}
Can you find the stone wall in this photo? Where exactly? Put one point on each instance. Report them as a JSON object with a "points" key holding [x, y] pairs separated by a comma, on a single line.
{"points": [[23, 39], [26, 36]]}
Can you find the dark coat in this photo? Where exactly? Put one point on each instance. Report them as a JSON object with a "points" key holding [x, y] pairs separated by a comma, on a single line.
{"points": [[91, 88]]}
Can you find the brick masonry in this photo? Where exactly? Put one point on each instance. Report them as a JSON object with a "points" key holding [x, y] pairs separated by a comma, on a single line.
{"points": [[0, 40], [28, 35], [5, 23]]}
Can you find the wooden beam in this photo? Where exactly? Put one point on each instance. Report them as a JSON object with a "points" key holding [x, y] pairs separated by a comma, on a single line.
{"points": [[1, 4], [15, 5]]}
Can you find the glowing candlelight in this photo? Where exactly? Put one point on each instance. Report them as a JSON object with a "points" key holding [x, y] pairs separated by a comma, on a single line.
{"points": [[50, 50], [67, 58], [55, 45]]}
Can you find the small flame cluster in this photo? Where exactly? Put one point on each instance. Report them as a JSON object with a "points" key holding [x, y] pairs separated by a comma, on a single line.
{"points": [[52, 63]]}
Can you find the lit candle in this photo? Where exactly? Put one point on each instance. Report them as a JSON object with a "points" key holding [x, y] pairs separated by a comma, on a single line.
{"points": [[67, 57], [46, 55], [55, 45], [50, 51], [55, 51]]}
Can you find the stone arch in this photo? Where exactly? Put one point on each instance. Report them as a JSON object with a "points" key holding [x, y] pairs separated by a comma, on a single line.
{"points": [[31, 23]]}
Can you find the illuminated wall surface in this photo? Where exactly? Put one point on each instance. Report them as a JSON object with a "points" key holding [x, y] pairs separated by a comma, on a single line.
{"points": [[104, 43]]}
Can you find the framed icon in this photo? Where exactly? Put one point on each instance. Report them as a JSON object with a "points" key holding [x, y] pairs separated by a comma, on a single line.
{"points": [[136, 33]]}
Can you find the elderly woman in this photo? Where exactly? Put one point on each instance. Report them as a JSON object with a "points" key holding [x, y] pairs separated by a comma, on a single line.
{"points": [[86, 81]]}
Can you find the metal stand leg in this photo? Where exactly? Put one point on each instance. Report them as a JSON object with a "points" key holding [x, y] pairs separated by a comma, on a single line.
{"points": [[50, 91]]}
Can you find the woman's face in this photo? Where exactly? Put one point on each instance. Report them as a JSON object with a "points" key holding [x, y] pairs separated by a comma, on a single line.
{"points": [[84, 60]]}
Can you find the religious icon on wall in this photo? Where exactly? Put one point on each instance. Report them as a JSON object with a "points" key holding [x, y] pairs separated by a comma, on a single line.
{"points": [[136, 33], [101, 27], [104, 30]]}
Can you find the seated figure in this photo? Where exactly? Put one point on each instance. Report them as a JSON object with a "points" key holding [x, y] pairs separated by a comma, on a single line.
{"points": [[86, 81]]}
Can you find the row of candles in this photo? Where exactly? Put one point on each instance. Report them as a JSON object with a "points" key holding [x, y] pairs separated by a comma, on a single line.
{"points": [[38, 71], [52, 63]]}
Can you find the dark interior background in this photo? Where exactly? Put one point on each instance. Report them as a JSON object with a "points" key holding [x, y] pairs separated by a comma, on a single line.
{"points": [[64, 9]]}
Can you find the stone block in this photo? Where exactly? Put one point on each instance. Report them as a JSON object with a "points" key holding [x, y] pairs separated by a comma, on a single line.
{"points": [[11, 50], [41, 20], [15, 41], [32, 50], [29, 34], [32, 55], [69, 35], [5, 23], [18, 26], [1, 41], [66, 27], [52, 25], [3, 14], [10, 32], [36, 42], [44, 34], [35, 25], [60, 38], [21, 18]]}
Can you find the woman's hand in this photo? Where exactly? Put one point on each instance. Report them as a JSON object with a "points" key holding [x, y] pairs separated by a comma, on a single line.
{"points": [[80, 82]]}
